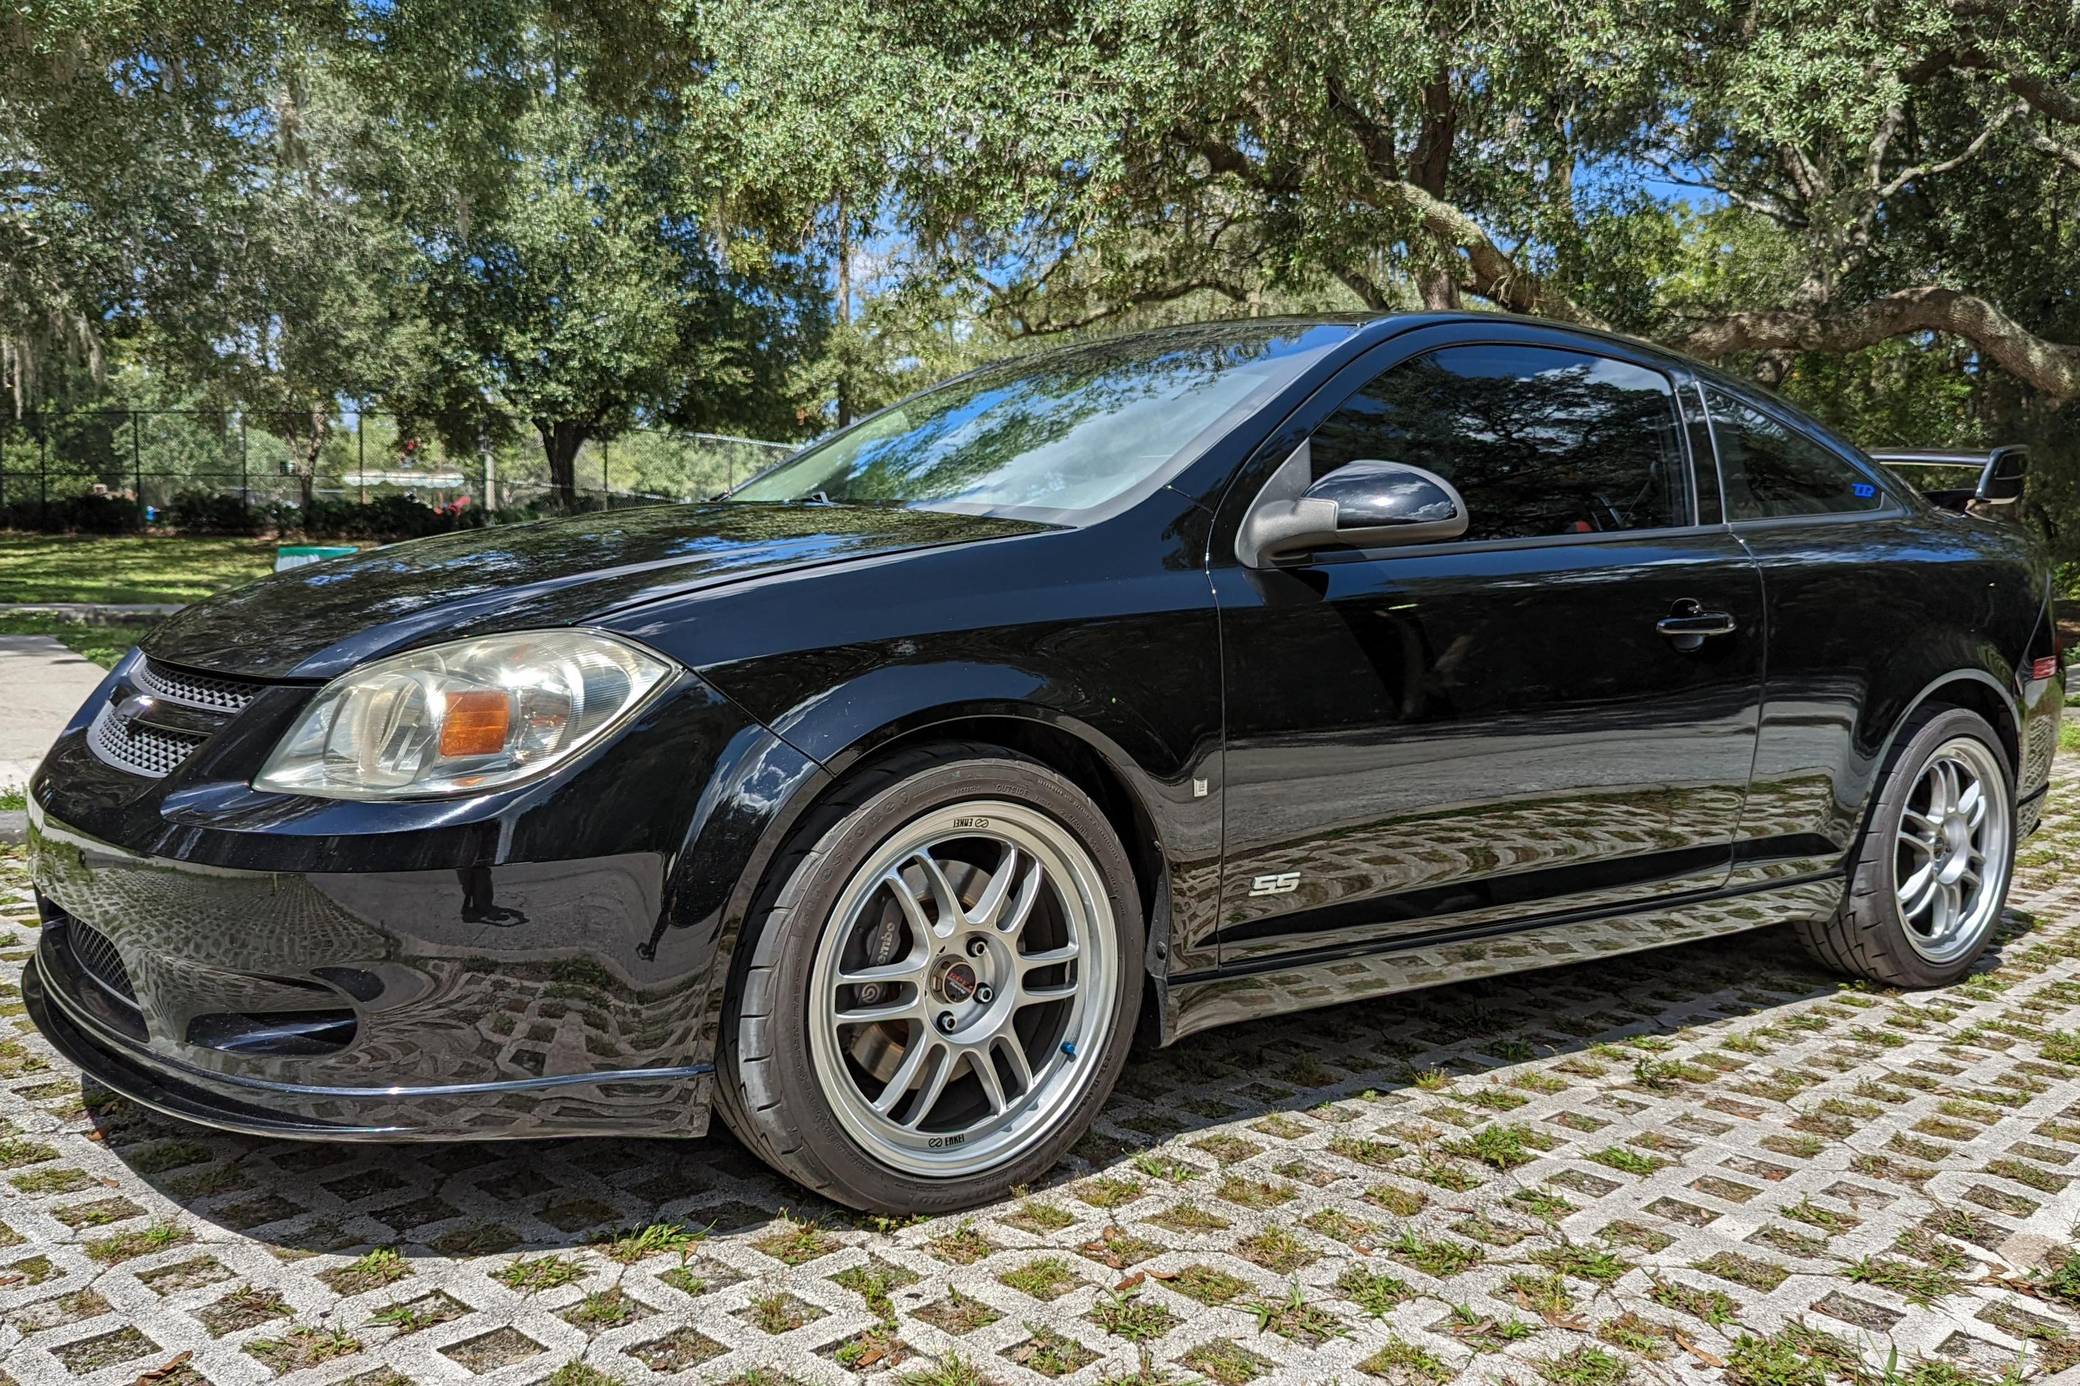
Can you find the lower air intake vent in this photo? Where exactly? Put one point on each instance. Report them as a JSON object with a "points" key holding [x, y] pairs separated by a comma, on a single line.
{"points": [[97, 957]]}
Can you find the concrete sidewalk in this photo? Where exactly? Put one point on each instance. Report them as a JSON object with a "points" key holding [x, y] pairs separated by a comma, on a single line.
{"points": [[93, 613], [42, 684]]}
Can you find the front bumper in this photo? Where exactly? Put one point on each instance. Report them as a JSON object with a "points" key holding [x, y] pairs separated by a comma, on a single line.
{"points": [[500, 1001], [536, 961]]}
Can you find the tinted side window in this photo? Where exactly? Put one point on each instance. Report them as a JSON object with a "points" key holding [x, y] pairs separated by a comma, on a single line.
{"points": [[1539, 441], [1770, 469]]}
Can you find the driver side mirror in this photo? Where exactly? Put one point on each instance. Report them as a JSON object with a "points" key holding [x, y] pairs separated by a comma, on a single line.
{"points": [[1363, 504]]}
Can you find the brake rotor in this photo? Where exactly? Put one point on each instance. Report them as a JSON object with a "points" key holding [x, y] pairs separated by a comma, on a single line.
{"points": [[879, 1049]]}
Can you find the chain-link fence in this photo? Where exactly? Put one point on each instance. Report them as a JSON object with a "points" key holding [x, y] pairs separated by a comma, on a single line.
{"points": [[151, 456]]}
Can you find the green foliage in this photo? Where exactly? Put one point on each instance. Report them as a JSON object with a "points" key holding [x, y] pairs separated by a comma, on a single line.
{"points": [[764, 216]]}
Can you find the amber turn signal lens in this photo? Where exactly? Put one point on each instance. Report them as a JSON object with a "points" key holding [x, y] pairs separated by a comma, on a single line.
{"points": [[475, 724]]}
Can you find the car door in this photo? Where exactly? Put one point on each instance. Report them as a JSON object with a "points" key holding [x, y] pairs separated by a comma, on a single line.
{"points": [[1477, 733], [1852, 575]]}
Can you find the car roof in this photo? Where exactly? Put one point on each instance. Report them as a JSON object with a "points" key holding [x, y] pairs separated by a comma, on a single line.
{"points": [[1393, 323]]}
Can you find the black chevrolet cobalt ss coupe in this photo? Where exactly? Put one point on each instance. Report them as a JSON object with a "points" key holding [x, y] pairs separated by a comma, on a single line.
{"points": [[1110, 693]]}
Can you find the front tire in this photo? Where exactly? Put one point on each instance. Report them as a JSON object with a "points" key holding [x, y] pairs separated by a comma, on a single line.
{"points": [[1930, 877], [941, 994]]}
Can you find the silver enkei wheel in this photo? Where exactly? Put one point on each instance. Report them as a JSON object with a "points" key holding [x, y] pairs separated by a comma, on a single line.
{"points": [[1952, 853], [963, 989]]}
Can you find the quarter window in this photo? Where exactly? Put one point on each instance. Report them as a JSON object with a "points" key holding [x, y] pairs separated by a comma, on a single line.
{"points": [[1771, 469], [1538, 441]]}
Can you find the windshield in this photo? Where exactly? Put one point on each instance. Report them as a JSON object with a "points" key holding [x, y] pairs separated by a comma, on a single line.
{"points": [[1057, 436]]}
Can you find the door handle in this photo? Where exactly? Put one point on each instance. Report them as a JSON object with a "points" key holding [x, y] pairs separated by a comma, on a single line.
{"points": [[1688, 624], [1698, 624]]}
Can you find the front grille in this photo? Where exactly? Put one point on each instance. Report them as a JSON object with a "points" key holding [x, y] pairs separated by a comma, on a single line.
{"points": [[164, 716], [97, 957], [142, 750], [211, 691]]}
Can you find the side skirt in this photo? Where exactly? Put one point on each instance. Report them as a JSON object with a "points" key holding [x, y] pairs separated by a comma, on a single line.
{"points": [[1200, 1001]]}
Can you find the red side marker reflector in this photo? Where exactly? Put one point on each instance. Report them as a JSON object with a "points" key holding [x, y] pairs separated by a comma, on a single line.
{"points": [[2045, 668]]}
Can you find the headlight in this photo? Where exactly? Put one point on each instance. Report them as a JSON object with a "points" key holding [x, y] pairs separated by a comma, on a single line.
{"points": [[463, 717]]}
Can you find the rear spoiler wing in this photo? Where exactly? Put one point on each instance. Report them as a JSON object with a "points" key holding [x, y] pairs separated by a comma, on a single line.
{"points": [[2001, 473]]}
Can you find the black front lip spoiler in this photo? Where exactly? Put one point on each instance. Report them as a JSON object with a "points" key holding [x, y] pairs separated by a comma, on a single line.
{"points": [[159, 1084]]}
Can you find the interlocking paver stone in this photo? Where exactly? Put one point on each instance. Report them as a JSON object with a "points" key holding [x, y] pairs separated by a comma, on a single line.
{"points": [[1691, 1165]]}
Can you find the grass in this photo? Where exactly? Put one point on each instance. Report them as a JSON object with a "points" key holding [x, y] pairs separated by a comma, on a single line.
{"points": [[2062, 1281], [1441, 1257], [1583, 1263], [1374, 1292], [1049, 1353], [1712, 1306], [1585, 1366], [874, 1282], [1124, 1314], [70, 568], [1499, 1147], [1207, 1285], [1276, 1249], [1225, 1362], [578, 1374], [952, 1370], [103, 644], [1918, 1284], [1617, 1157], [380, 1267], [795, 1243], [1401, 1360], [1048, 1278], [125, 1246], [1774, 1361], [658, 1239], [1297, 1319], [304, 1346], [532, 1274], [603, 1309]]}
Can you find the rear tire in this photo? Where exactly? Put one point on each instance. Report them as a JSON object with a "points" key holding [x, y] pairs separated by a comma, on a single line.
{"points": [[1929, 879], [940, 993]]}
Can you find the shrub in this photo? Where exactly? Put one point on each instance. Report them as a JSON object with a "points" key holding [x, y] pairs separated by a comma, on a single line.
{"points": [[212, 512], [80, 514]]}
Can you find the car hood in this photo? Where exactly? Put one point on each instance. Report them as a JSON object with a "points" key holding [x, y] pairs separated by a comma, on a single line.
{"points": [[318, 621]]}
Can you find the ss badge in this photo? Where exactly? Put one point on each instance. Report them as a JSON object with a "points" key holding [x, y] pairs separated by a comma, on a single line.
{"points": [[1284, 883]]}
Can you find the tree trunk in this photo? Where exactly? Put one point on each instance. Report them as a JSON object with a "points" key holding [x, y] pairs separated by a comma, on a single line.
{"points": [[844, 317], [1430, 168], [1440, 293], [561, 439], [313, 444]]}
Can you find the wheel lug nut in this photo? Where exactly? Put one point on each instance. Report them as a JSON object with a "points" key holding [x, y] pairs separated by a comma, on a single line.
{"points": [[985, 994], [976, 948], [947, 1022]]}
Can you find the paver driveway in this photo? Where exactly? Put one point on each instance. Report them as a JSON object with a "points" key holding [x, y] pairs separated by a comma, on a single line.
{"points": [[1712, 1162]]}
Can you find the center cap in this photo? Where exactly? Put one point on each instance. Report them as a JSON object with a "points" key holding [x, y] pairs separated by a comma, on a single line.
{"points": [[957, 982]]}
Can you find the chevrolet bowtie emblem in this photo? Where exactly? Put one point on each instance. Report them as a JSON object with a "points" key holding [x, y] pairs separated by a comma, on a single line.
{"points": [[135, 706]]}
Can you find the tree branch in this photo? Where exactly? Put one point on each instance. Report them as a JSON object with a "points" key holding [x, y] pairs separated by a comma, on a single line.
{"points": [[1489, 272], [1763, 202], [1957, 160], [1018, 324], [2064, 153], [2061, 105], [2051, 367]]}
